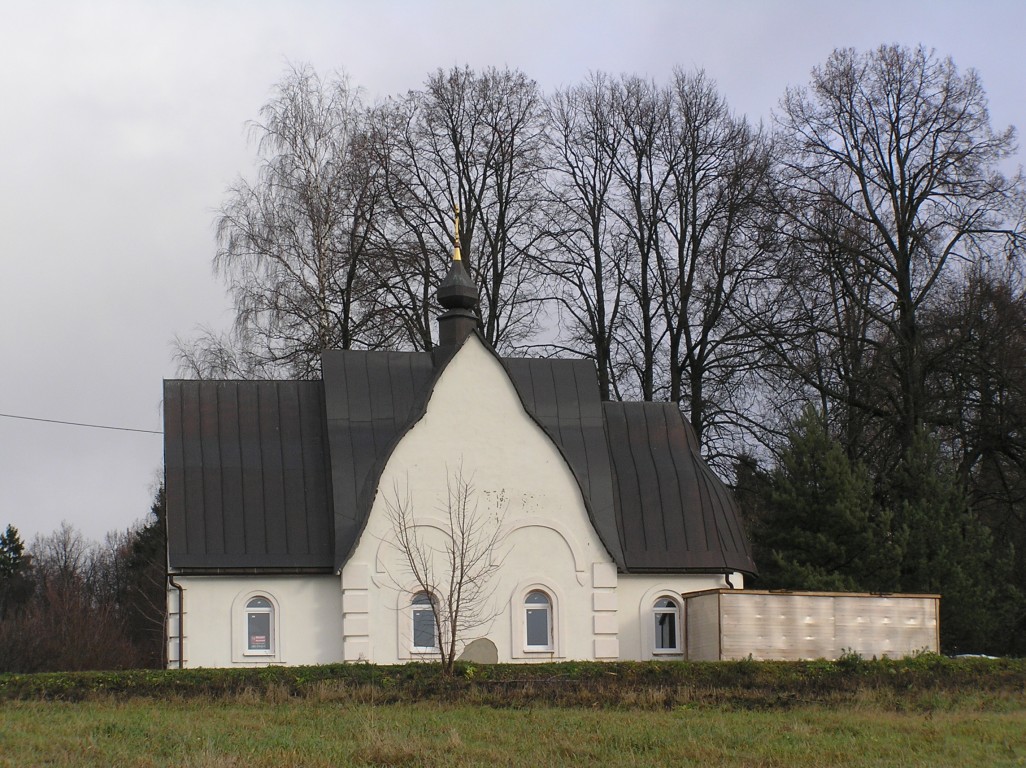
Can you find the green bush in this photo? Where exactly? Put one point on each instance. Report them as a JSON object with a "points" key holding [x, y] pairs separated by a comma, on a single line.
{"points": [[744, 683]]}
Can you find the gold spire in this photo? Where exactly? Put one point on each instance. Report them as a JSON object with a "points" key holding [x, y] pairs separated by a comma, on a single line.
{"points": [[456, 237]]}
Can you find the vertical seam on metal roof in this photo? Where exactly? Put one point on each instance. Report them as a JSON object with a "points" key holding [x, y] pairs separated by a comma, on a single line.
{"points": [[263, 475], [220, 486], [655, 466], [551, 368], [242, 467], [678, 477], [181, 463], [281, 464], [365, 369], [181, 445], [534, 395], [614, 483], [584, 444], [329, 477], [203, 474], [637, 475], [302, 469]]}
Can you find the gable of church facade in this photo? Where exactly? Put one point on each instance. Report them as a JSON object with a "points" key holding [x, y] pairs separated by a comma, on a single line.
{"points": [[475, 425]]}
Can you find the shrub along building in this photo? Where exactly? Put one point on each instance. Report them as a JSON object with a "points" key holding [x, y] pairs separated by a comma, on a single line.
{"points": [[282, 501]]}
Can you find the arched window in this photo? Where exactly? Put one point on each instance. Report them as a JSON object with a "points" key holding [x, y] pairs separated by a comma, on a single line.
{"points": [[538, 621], [425, 630], [260, 626], [667, 626]]}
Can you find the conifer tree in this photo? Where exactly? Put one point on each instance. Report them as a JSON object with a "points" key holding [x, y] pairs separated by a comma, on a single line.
{"points": [[820, 529], [15, 579], [946, 549], [144, 594]]}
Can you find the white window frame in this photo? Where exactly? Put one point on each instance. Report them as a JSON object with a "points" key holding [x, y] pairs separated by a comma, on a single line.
{"points": [[414, 609], [517, 616], [527, 607], [676, 611], [241, 652], [260, 610]]}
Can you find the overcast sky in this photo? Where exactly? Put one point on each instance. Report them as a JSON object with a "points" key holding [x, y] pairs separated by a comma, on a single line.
{"points": [[122, 123]]}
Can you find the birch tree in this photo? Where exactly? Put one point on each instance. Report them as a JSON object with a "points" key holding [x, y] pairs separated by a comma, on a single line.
{"points": [[294, 244]]}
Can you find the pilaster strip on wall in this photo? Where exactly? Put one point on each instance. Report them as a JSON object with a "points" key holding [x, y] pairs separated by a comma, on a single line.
{"points": [[605, 624]]}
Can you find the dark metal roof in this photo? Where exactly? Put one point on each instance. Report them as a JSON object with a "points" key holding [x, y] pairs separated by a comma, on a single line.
{"points": [[673, 512], [563, 397], [371, 400], [246, 472], [282, 474]]}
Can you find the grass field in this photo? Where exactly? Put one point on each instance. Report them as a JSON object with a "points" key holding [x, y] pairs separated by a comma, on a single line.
{"points": [[922, 711], [256, 731]]}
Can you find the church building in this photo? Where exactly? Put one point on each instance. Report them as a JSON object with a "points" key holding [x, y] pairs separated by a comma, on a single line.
{"points": [[282, 502]]}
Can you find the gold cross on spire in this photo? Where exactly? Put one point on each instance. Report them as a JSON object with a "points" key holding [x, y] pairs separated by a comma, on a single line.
{"points": [[456, 237]]}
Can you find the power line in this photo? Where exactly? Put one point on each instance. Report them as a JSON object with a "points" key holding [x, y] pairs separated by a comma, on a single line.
{"points": [[80, 424]]}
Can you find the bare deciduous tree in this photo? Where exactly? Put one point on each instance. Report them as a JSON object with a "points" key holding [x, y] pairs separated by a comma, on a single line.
{"points": [[897, 145], [457, 573], [587, 263], [471, 141], [710, 255], [658, 204], [641, 112], [73, 620], [294, 244]]}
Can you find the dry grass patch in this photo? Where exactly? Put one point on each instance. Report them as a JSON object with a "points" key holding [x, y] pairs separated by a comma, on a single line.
{"points": [[304, 732]]}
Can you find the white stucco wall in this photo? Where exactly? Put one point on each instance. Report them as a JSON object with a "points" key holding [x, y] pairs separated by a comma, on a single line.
{"points": [[307, 627], [476, 420], [636, 597]]}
